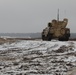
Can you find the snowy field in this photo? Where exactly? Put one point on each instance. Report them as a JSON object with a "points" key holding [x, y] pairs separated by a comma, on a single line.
{"points": [[37, 57]]}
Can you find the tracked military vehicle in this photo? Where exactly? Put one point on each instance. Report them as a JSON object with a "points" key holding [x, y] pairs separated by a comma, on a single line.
{"points": [[56, 30]]}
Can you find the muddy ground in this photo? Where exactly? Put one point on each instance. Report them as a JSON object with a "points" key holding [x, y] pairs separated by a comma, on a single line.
{"points": [[36, 57]]}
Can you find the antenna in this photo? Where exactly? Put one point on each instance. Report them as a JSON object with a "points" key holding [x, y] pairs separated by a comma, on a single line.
{"points": [[58, 15]]}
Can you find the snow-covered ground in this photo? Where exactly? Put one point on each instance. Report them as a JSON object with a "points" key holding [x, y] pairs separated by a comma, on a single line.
{"points": [[37, 57]]}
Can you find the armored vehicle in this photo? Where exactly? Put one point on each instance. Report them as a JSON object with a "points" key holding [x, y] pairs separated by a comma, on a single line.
{"points": [[56, 30]]}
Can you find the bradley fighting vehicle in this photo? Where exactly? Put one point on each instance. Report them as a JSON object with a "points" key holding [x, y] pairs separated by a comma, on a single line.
{"points": [[56, 30]]}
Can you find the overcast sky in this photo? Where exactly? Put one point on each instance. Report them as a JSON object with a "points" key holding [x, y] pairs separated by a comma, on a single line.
{"points": [[26, 16]]}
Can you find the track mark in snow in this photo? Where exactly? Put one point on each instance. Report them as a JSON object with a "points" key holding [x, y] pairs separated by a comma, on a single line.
{"points": [[37, 57]]}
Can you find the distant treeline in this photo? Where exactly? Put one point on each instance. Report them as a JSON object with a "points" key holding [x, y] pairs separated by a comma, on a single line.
{"points": [[73, 35], [28, 35]]}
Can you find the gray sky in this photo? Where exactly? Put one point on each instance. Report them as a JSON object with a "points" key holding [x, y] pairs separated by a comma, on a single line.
{"points": [[24, 16]]}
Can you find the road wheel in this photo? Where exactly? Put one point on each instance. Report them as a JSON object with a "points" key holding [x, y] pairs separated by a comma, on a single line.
{"points": [[44, 38], [49, 37], [63, 38]]}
